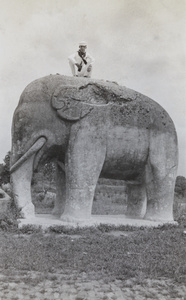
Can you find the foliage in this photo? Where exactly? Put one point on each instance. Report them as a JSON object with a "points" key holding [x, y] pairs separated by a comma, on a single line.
{"points": [[30, 229], [45, 172], [182, 220], [180, 186], [8, 220], [5, 169], [49, 170]]}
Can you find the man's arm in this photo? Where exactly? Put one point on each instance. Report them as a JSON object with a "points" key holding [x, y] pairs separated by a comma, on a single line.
{"points": [[71, 58], [91, 59]]}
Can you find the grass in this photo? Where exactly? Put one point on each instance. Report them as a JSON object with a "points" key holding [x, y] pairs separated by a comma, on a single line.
{"points": [[139, 253]]}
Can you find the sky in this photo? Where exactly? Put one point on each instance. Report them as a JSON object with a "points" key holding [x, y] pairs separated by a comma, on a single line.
{"points": [[138, 44]]}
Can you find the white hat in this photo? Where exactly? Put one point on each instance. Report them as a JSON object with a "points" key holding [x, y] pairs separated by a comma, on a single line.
{"points": [[83, 43]]}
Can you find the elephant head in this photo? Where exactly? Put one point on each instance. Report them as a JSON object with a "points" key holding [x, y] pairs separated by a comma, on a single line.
{"points": [[69, 108], [73, 103]]}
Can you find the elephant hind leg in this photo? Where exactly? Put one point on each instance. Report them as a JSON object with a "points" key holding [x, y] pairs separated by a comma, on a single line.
{"points": [[160, 179], [160, 196], [136, 203]]}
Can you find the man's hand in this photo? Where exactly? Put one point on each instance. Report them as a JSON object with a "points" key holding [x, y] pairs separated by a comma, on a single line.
{"points": [[89, 68], [79, 66]]}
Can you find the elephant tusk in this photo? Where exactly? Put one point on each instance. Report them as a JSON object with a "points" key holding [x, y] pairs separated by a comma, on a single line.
{"points": [[61, 165], [35, 147]]}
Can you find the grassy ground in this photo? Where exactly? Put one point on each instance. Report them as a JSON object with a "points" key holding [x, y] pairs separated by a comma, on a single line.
{"points": [[103, 262], [100, 252]]}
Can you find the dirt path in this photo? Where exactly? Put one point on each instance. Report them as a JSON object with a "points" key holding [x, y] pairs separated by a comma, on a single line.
{"points": [[37, 286]]}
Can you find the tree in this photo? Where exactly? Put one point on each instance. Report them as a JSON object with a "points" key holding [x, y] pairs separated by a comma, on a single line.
{"points": [[5, 169], [180, 186]]}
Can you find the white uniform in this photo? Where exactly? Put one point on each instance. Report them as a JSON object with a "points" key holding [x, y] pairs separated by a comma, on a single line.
{"points": [[75, 58]]}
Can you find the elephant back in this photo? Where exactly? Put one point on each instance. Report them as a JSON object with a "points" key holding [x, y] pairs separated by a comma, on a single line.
{"points": [[72, 98]]}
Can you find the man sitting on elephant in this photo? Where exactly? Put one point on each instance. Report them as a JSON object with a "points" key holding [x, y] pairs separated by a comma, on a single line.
{"points": [[82, 60]]}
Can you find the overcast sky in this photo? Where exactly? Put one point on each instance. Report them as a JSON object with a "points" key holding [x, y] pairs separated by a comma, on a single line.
{"points": [[139, 44]]}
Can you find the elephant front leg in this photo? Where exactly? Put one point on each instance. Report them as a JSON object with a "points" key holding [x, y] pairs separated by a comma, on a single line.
{"points": [[21, 176], [21, 186], [83, 166], [79, 203]]}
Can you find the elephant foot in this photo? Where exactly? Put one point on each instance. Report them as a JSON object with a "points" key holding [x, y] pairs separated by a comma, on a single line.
{"points": [[138, 215], [72, 219], [159, 218], [27, 211], [56, 212]]}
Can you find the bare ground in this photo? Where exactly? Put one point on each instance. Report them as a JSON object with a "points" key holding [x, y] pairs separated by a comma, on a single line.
{"points": [[35, 285], [62, 272]]}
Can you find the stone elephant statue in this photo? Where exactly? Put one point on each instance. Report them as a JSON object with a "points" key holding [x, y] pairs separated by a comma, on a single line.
{"points": [[93, 128]]}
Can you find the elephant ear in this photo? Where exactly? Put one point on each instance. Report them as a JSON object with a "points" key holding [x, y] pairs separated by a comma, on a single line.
{"points": [[68, 106]]}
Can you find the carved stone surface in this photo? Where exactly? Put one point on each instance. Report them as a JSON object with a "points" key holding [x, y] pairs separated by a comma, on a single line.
{"points": [[94, 129]]}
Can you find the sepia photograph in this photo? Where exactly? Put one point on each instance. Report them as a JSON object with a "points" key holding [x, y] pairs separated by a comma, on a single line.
{"points": [[92, 149]]}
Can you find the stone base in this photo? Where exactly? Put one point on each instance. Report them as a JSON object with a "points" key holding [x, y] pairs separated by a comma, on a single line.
{"points": [[46, 221]]}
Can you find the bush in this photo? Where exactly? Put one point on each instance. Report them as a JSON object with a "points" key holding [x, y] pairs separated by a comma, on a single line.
{"points": [[180, 186], [182, 220], [30, 229], [8, 220], [5, 169]]}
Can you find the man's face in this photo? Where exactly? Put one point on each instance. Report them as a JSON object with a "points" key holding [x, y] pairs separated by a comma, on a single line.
{"points": [[82, 48]]}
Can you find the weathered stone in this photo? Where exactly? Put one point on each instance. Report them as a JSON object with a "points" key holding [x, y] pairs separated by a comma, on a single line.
{"points": [[94, 129]]}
